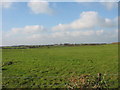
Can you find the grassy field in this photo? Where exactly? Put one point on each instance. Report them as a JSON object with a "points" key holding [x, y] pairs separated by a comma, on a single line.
{"points": [[53, 67]]}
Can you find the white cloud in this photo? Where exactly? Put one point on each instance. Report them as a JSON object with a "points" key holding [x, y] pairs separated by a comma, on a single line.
{"points": [[109, 23], [64, 34], [99, 32], [87, 20], [72, 33], [87, 36], [6, 4], [26, 30], [86, 33], [40, 7], [110, 5], [96, 0], [34, 36], [62, 0]]}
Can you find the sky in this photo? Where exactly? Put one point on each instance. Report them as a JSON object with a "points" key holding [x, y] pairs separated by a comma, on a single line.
{"points": [[40, 23]]}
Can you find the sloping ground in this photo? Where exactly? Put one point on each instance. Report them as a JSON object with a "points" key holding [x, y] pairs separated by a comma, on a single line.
{"points": [[54, 66], [116, 43]]}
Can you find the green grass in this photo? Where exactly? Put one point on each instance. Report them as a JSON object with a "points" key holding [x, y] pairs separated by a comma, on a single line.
{"points": [[51, 67]]}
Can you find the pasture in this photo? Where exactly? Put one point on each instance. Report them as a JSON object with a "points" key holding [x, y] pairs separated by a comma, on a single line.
{"points": [[53, 67]]}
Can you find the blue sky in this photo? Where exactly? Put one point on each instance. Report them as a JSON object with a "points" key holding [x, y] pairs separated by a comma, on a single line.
{"points": [[63, 12], [49, 18]]}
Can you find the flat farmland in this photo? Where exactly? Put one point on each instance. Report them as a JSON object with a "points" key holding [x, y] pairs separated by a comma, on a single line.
{"points": [[53, 67]]}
